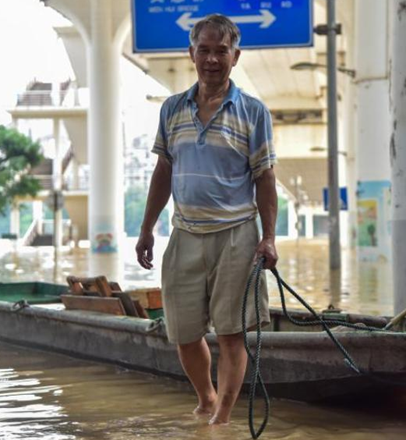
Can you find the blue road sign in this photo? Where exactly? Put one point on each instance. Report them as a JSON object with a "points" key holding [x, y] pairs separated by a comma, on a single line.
{"points": [[164, 25], [343, 199]]}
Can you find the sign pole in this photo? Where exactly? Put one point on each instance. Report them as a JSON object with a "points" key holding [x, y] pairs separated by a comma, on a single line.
{"points": [[334, 200]]}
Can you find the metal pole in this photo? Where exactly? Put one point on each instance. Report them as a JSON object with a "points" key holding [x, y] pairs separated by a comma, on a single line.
{"points": [[333, 189]]}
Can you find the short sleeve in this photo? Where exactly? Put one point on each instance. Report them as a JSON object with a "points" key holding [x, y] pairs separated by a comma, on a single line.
{"points": [[261, 150], [161, 140]]}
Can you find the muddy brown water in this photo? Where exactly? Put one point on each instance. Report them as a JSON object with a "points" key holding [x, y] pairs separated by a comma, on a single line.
{"points": [[52, 397], [364, 287]]}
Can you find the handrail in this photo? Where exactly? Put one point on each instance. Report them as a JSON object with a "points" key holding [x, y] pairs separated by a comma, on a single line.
{"points": [[66, 159], [31, 233], [54, 98]]}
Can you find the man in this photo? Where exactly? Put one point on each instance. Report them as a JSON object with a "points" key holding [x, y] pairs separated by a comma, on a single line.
{"points": [[215, 154]]}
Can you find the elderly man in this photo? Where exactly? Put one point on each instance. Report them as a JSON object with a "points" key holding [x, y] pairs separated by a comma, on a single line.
{"points": [[215, 154]]}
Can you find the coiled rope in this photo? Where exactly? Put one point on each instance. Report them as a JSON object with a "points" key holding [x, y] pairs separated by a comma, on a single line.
{"points": [[256, 378]]}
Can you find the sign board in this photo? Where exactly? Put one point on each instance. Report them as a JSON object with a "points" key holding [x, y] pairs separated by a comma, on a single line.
{"points": [[164, 25], [343, 199]]}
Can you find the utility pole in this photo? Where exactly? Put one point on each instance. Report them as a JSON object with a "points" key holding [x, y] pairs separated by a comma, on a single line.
{"points": [[333, 188]]}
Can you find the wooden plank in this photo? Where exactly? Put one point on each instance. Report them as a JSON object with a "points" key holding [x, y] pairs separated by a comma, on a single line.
{"points": [[149, 298], [140, 309], [103, 286], [112, 306], [127, 302], [79, 285]]}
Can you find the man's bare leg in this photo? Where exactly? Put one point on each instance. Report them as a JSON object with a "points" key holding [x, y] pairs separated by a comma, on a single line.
{"points": [[196, 361], [230, 375]]}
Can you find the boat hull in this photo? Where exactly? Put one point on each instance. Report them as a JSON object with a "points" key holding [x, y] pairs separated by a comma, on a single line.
{"points": [[296, 365]]}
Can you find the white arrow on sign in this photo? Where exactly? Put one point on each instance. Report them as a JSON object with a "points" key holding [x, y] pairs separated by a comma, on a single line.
{"points": [[266, 19]]}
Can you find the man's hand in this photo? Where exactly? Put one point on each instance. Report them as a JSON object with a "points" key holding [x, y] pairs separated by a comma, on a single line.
{"points": [[266, 248], [144, 249]]}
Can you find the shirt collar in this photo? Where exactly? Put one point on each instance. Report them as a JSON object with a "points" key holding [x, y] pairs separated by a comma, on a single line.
{"points": [[232, 95]]}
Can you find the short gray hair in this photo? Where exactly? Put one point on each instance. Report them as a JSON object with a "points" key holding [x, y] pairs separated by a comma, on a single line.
{"points": [[222, 24]]}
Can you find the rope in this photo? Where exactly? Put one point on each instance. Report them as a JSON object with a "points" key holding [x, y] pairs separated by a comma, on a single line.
{"points": [[325, 322], [19, 305], [156, 325], [256, 378]]}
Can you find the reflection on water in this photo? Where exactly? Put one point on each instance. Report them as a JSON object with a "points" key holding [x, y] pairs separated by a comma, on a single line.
{"points": [[363, 287], [51, 397]]}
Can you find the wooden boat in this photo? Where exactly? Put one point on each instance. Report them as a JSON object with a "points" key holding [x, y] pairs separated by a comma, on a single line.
{"points": [[295, 363], [32, 292]]}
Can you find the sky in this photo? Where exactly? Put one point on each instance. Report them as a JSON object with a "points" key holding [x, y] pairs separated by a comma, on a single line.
{"points": [[30, 49]]}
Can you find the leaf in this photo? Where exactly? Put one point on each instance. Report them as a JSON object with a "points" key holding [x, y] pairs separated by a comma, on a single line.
{"points": [[18, 155]]}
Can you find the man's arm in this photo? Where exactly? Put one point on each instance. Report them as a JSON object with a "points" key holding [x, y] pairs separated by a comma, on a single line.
{"points": [[158, 196], [267, 202]]}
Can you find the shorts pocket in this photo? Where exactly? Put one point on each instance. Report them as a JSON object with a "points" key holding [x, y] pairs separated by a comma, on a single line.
{"points": [[169, 251]]}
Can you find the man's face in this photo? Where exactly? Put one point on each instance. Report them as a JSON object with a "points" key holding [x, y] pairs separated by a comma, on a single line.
{"points": [[213, 56]]}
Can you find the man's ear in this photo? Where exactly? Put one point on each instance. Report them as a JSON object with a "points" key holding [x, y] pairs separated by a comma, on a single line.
{"points": [[237, 53], [192, 53]]}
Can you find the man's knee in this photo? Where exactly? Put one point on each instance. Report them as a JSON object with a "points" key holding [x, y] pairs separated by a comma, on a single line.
{"points": [[231, 342], [190, 346]]}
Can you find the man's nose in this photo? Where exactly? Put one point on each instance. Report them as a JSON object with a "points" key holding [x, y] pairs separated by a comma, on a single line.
{"points": [[212, 57]]}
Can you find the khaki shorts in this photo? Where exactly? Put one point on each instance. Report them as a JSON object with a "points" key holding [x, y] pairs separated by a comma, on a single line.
{"points": [[204, 277]]}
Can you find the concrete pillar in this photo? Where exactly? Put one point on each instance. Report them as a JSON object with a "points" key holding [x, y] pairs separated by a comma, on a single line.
{"points": [[37, 214], [309, 223], [372, 130], [398, 151], [106, 202], [15, 220], [14, 122], [292, 220], [103, 24], [57, 184], [348, 137]]}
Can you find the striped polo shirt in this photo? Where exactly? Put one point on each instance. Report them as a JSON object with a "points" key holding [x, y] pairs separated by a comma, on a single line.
{"points": [[214, 166]]}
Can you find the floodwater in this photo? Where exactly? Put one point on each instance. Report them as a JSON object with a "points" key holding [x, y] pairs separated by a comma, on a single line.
{"points": [[52, 397], [363, 287]]}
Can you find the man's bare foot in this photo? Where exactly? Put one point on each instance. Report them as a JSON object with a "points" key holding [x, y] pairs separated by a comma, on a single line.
{"points": [[199, 411], [206, 409], [218, 421]]}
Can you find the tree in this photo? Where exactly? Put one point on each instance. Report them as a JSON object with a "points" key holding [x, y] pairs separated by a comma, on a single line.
{"points": [[135, 201], [18, 155]]}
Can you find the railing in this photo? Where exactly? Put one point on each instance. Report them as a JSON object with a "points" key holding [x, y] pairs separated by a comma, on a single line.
{"points": [[30, 234], [46, 181], [66, 159], [72, 97], [48, 227], [45, 227], [81, 183]]}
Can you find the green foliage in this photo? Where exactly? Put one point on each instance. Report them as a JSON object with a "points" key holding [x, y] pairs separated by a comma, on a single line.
{"points": [[26, 217], [5, 221], [135, 201], [18, 154]]}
